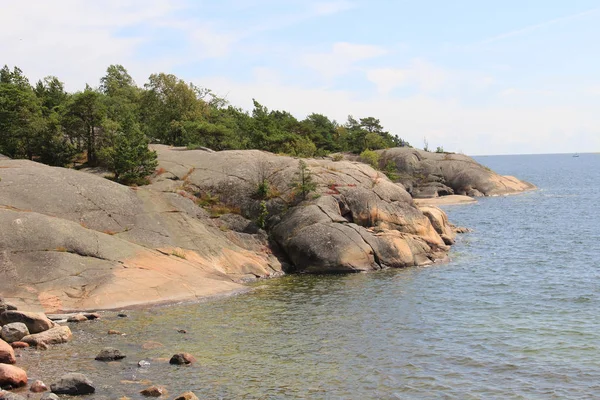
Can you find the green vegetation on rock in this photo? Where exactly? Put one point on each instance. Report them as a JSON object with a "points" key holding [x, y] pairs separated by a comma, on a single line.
{"points": [[110, 125]]}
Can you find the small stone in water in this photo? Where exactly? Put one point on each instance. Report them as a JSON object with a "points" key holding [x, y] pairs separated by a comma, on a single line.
{"points": [[38, 387], [182, 358], [122, 315], [110, 354], [181, 331], [187, 396], [143, 363], [154, 391]]}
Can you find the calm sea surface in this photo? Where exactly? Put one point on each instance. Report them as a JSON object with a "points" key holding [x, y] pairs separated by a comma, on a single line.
{"points": [[515, 315]]}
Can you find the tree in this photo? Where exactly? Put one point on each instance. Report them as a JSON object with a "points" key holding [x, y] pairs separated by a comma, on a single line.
{"points": [[167, 104], [21, 119], [84, 115], [128, 156], [303, 184]]}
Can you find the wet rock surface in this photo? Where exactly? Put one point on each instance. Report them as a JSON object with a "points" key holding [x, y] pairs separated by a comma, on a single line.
{"points": [[73, 384]]}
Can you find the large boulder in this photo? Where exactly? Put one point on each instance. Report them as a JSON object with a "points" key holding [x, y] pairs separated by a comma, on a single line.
{"points": [[11, 376], [73, 384], [7, 353], [429, 174], [60, 334], [35, 322], [14, 332]]}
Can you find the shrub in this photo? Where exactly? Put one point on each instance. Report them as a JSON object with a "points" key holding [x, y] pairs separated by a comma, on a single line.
{"points": [[337, 157], [370, 157]]}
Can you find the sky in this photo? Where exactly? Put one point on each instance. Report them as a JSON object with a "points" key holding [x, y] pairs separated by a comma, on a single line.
{"points": [[476, 77]]}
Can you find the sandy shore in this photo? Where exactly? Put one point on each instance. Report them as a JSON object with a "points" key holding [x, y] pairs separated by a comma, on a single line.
{"points": [[445, 200]]}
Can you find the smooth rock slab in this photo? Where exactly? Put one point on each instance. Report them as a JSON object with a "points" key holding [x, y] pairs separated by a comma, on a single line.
{"points": [[36, 322], [110, 354], [11, 376], [14, 332], [60, 334], [7, 354], [73, 384]]}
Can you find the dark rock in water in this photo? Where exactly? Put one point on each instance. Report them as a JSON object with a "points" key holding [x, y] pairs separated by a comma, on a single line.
{"points": [[181, 331], [14, 332], [73, 384], [49, 396], [12, 377], [154, 391], [77, 318], [60, 334], [182, 358], [187, 396], [122, 315], [7, 354], [92, 316], [10, 396], [36, 322], [143, 363], [110, 354], [38, 387]]}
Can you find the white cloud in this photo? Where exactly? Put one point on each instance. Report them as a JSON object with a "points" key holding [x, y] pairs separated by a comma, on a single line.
{"points": [[76, 40], [425, 76], [341, 59]]}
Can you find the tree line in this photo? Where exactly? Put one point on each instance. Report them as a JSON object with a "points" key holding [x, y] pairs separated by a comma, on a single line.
{"points": [[112, 124]]}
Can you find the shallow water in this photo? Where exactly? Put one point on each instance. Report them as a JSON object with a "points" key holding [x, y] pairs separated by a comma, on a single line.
{"points": [[515, 315]]}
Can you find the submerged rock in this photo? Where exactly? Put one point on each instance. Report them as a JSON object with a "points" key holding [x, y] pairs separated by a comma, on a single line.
{"points": [[49, 396], [187, 396], [19, 345], [73, 384], [10, 396]]}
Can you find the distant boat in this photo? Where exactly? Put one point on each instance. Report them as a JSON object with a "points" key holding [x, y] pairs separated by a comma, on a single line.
{"points": [[576, 155]]}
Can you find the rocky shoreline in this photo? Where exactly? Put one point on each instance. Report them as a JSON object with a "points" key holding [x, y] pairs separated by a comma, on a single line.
{"points": [[210, 221], [23, 330]]}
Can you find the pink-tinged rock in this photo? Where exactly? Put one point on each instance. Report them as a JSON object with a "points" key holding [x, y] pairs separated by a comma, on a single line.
{"points": [[7, 354], [11, 376], [38, 387], [36, 322], [19, 345]]}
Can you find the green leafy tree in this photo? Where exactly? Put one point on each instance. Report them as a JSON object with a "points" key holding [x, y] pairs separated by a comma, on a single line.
{"points": [[21, 119], [304, 183], [128, 156], [84, 116]]}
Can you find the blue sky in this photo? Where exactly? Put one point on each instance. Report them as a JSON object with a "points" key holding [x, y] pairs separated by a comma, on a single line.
{"points": [[476, 77]]}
